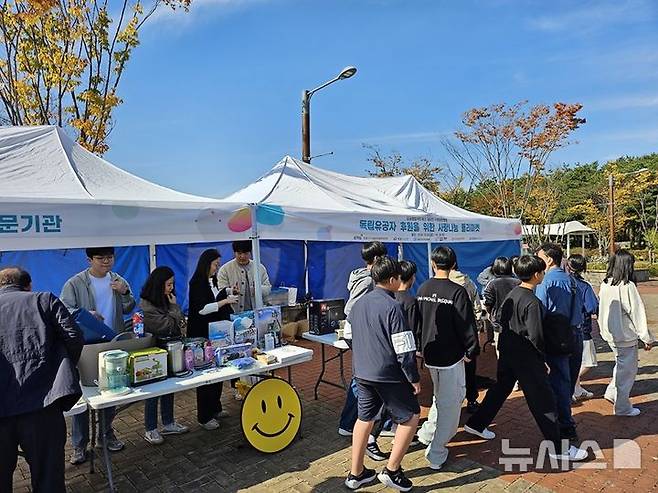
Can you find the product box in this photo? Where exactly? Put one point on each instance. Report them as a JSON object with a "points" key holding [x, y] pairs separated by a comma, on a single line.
{"points": [[221, 333], [147, 365], [224, 355], [268, 321]]}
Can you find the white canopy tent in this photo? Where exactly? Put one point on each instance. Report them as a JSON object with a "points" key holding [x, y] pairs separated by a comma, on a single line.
{"points": [[297, 201], [557, 230], [56, 194]]}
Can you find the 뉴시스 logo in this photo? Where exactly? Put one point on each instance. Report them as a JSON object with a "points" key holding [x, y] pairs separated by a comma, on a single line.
{"points": [[625, 454]]}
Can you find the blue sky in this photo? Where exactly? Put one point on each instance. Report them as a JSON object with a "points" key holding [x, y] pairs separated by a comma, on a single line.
{"points": [[212, 97]]}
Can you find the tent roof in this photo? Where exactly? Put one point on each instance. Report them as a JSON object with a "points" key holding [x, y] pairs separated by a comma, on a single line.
{"points": [[292, 183], [559, 229], [43, 164]]}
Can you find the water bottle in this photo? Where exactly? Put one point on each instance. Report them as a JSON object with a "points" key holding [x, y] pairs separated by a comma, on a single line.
{"points": [[138, 324], [269, 342]]}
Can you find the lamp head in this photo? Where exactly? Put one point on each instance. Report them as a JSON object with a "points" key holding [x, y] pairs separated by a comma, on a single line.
{"points": [[347, 72]]}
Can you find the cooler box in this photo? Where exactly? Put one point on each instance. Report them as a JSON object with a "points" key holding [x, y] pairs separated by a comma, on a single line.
{"points": [[147, 365]]}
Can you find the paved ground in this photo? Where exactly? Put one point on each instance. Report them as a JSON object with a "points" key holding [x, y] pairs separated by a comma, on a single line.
{"points": [[221, 461]]}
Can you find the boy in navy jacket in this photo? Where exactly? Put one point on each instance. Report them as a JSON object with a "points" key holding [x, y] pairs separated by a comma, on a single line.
{"points": [[384, 364]]}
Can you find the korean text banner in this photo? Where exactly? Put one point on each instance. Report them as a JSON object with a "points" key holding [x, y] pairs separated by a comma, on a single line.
{"points": [[35, 226]]}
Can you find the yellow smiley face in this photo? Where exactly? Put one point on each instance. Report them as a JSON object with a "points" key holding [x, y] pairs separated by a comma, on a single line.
{"points": [[271, 415]]}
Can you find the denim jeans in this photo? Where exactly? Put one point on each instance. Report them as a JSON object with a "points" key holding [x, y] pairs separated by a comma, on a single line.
{"points": [[576, 358], [560, 379], [80, 427], [151, 411], [350, 409]]}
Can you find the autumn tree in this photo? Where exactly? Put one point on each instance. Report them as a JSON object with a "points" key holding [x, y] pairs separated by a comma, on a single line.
{"points": [[503, 150], [62, 61], [429, 174]]}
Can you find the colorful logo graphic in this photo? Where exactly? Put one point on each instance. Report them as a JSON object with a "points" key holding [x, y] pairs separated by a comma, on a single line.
{"points": [[271, 215]]}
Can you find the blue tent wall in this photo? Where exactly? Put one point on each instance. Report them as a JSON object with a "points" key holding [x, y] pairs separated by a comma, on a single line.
{"points": [[284, 261], [50, 269], [472, 257], [330, 264]]}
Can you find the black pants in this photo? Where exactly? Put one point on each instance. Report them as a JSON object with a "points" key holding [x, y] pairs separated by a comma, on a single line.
{"points": [[42, 436], [471, 380], [208, 402], [519, 360]]}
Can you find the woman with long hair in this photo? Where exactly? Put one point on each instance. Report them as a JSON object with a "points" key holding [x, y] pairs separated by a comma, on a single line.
{"points": [[622, 320], [207, 303], [162, 318]]}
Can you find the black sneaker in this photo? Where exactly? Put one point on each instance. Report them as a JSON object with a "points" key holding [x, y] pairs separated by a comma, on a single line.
{"points": [[395, 479], [372, 451], [367, 475], [472, 407]]}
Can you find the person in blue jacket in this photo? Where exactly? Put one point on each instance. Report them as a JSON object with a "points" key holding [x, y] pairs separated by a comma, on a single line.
{"points": [[577, 265], [563, 312]]}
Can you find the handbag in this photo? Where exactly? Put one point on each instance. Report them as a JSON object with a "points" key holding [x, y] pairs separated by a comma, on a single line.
{"points": [[558, 332]]}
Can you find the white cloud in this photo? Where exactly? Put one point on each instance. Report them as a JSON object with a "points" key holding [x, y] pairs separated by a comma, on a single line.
{"points": [[198, 10], [644, 135], [594, 15], [402, 138], [623, 102]]}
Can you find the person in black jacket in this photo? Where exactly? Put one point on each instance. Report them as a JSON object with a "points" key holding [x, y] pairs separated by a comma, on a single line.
{"points": [[40, 345], [522, 358], [207, 303], [448, 338], [497, 290]]}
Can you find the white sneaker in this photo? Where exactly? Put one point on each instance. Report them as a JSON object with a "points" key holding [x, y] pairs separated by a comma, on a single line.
{"points": [[486, 433], [387, 433], [153, 437], [344, 433], [222, 414], [210, 425], [581, 395], [633, 412], [436, 467], [574, 455], [174, 429]]}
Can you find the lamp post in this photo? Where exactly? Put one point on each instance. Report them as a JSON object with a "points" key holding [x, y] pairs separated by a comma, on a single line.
{"points": [[611, 206], [346, 73]]}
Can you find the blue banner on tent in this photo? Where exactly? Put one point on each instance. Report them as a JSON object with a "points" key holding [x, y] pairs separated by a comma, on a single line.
{"points": [[50, 269], [472, 257], [284, 261], [330, 264]]}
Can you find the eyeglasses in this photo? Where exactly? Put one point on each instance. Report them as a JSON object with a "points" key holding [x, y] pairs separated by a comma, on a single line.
{"points": [[104, 258]]}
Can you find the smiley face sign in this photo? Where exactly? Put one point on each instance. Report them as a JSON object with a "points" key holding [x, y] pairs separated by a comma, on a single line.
{"points": [[271, 415]]}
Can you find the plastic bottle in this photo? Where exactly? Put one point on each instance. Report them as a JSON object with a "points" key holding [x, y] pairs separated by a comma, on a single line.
{"points": [[209, 351], [189, 359], [269, 341], [138, 324]]}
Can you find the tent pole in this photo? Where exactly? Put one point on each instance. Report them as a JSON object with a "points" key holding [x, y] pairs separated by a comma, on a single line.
{"points": [[306, 285], [430, 274], [583, 243], [152, 260], [255, 246], [400, 252], [568, 245]]}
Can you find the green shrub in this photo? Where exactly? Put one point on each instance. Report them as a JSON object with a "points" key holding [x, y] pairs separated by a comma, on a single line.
{"points": [[653, 270]]}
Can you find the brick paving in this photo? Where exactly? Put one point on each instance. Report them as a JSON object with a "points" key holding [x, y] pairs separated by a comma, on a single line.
{"points": [[222, 461]]}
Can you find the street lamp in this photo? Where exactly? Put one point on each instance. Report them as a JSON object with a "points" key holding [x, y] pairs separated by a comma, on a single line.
{"points": [[611, 206], [346, 73]]}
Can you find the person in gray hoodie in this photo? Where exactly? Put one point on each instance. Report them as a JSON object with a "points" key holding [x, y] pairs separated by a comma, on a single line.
{"points": [[107, 296], [359, 284]]}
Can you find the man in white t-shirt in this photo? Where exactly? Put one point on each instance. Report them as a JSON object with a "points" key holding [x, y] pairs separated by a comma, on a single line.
{"points": [[107, 296]]}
